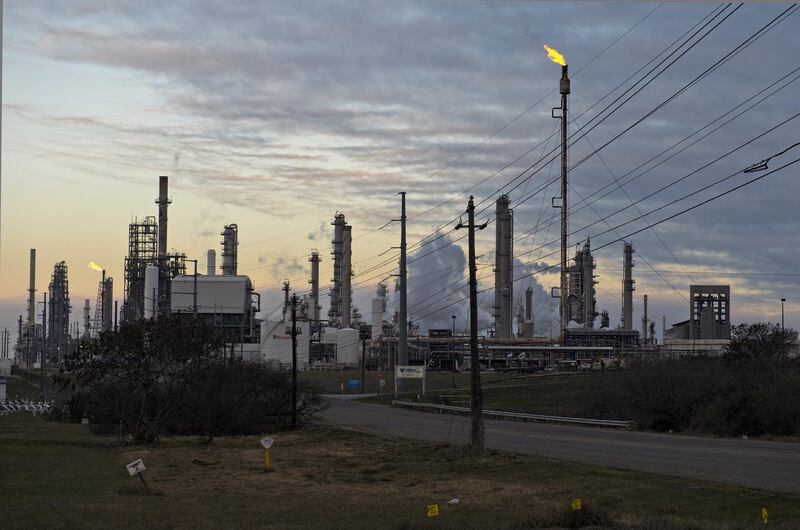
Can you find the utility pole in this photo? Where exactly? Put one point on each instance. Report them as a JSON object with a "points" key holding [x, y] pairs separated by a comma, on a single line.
{"points": [[294, 361], [477, 436], [403, 321], [453, 350], [363, 360]]}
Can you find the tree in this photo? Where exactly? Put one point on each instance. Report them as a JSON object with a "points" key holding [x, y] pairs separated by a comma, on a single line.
{"points": [[760, 340], [133, 379]]}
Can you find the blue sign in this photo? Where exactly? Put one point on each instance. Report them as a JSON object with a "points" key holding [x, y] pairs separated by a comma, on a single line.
{"points": [[354, 384]]}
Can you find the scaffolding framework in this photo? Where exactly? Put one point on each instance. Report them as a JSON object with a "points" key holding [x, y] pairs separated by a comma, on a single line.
{"points": [[142, 251], [57, 341]]}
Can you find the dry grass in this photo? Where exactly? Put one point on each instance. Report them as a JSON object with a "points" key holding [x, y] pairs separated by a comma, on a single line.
{"points": [[58, 475]]}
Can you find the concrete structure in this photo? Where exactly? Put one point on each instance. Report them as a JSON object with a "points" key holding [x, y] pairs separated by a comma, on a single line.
{"points": [[503, 270], [314, 307], [230, 249], [627, 287]]}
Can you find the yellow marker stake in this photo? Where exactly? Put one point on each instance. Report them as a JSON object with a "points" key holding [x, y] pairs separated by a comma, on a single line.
{"points": [[266, 460], [576, 504], [764, 515], [433, 510]]}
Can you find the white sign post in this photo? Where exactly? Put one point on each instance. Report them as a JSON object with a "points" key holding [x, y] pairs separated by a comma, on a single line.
{"points": [[137, 468], [409, 372]]}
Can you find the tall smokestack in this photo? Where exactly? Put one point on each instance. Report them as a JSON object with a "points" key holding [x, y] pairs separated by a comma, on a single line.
{"points": [[347, 275], [32, 290], [314, 306], [211, 262], [108, 304], [163, 202], [627, 288], [378, 309], [527, 325], [87, 320], [503, 271], [644, 321]]}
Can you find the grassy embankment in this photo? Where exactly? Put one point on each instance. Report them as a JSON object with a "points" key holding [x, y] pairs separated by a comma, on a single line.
{"points": [[60, 475]]}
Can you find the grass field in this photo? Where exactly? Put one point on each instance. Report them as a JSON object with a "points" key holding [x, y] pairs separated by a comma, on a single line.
{"points": [[60, 475], [558, 394]]}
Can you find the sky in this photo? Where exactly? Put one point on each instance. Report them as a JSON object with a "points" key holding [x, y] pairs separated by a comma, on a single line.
{"points": [[276, 115]]}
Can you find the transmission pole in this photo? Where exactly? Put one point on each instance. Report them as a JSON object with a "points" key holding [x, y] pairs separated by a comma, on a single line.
{"points": [[477, 435], [294, 361], [402, 355]]}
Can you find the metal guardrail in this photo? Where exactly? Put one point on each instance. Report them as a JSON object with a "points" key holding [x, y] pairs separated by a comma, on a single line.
{"points": [[518, 416]]}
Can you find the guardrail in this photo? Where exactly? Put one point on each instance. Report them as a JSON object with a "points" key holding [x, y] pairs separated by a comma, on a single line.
{"points": [[10, 407], [518, 416]]}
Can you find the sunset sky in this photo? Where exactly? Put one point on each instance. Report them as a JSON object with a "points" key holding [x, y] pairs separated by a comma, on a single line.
{"points": [[276, 115]]}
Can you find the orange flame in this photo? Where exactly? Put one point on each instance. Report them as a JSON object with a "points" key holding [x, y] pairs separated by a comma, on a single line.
{"points": [[95, 267], [554, 56]]}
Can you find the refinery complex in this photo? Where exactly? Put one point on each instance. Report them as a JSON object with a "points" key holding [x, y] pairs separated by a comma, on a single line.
{"points": [[157, 282]]}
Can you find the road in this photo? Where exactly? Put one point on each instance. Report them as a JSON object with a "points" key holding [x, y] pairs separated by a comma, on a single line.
{"points": [[757, 464]]}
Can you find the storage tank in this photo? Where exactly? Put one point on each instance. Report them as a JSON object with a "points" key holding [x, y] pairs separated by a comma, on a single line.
{"points": [[347, 346], [150, 291], [276, 343], [328, 336]]}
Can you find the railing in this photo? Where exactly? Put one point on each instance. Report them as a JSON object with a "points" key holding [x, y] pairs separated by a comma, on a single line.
{"points": [[518, 416], [10, 407]]}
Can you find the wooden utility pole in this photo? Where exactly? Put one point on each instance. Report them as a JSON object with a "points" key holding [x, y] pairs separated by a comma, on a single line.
{"points": [[294, 361], [477, 435]]}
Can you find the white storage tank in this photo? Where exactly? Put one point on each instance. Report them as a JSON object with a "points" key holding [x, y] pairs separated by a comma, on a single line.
{"points": [[329, 336], [150, 291], [276, 343], [347, 346]]}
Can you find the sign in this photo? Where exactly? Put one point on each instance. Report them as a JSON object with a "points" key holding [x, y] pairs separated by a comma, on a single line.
{"points": [[576, 505], [135, 467], [433, 510], [381, 382], [266, 442], [765, 515], [410, 372], [353, 384]]}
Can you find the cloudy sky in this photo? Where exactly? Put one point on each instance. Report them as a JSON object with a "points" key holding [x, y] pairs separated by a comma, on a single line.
{"points": [[276, 115]]}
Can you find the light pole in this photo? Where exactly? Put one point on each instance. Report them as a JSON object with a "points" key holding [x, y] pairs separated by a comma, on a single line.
{"points": [[783, 301], [453, 350]]}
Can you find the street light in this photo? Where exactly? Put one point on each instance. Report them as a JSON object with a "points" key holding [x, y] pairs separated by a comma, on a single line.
{"points": [[453, 350], [783, 301]]}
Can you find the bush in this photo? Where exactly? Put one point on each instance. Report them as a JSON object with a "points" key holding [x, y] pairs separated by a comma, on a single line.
{"points": [[170, 375]]}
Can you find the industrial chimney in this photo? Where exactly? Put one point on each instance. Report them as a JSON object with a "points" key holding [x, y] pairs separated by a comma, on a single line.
{"points": [[32, 289], [163, 202], [314, 306], [211, 262], [527, 325], [644, 321], [503, 271], [87, 321], [627, 288], [108, 304], [378, 309]]}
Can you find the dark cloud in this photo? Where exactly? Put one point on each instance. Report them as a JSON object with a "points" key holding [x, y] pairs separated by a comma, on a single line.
{"points": [[340, 105]]}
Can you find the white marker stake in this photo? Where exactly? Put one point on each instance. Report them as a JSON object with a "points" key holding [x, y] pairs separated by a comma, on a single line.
{"points": [[137, 468]]}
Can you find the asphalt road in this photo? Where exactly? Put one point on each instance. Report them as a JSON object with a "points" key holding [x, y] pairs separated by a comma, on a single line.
{"points": [[756, 464]]}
